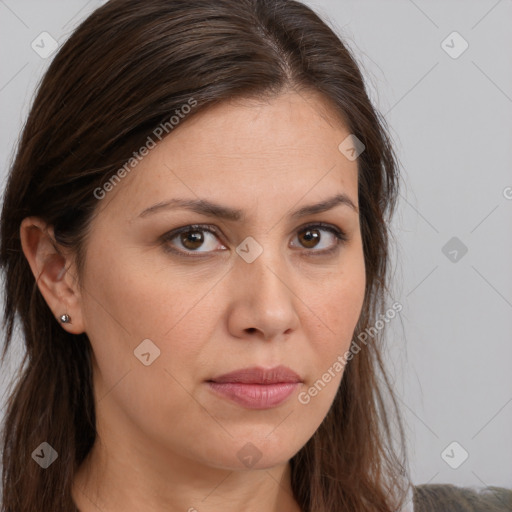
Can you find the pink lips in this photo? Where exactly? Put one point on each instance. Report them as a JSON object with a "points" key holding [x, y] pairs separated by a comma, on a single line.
{"points": [[257, 388]]}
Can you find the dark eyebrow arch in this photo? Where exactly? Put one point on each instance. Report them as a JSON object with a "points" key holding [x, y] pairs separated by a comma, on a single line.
{"points": [[204, 207]]}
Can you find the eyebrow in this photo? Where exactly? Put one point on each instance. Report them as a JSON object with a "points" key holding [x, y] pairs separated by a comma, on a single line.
{"points": [[210, 209]]}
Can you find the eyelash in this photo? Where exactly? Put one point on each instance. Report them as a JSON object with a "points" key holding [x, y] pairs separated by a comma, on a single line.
{"points": [[341, 238]]}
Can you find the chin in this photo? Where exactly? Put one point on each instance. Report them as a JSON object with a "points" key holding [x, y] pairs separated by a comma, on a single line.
{"points": [[250, 455]]}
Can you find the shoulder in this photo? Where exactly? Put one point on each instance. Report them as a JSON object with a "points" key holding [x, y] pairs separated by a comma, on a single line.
{"points": [[450, 498]]}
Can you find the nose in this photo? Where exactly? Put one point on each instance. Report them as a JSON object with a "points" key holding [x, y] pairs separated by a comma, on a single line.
{"points": [[263, 300]]}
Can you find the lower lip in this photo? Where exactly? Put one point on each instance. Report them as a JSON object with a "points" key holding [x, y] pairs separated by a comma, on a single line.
{"points": [[255, 396]]}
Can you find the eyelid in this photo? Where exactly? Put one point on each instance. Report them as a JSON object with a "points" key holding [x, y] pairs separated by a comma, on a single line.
{"points": [[167, 237], [340, 234], [192, 227], [324, 225]]}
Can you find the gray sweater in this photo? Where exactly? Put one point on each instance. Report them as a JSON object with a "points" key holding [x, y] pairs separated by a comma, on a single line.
{"points": [[450, 498]]}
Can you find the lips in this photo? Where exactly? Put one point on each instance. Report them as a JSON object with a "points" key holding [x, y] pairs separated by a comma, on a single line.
{"points": [[258, 375], [256, 388]]}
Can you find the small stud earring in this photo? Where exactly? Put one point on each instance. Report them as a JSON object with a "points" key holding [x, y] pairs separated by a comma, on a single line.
{"points": [[65, 319]]}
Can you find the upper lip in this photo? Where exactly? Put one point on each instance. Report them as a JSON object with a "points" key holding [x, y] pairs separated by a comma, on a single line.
{"points": [[259, 375]]}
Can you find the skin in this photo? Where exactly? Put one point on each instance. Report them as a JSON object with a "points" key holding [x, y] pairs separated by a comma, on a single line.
{"points": [[165, 440]]}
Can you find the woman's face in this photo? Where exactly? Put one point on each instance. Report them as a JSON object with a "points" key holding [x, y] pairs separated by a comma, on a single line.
{"points": [[167, 313]]}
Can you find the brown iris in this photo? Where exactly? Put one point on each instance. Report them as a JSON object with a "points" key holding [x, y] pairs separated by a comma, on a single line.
{"points": [[192, 239], [310, 238]]}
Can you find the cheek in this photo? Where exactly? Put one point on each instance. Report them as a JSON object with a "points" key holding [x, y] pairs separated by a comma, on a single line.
{"points": [[124, 309], [337, 302], [336, 306], [124, 306], [135, 302]]}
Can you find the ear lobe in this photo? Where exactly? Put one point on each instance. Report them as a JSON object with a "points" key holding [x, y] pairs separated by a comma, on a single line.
{"points": [[50, 268]]}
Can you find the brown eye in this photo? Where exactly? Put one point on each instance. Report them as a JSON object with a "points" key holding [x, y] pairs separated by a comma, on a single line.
{"points": [[322, 238], [310, 237], [192, 239]]}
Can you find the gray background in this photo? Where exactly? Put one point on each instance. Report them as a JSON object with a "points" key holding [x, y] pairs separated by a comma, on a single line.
{"points": [[450, 353]]}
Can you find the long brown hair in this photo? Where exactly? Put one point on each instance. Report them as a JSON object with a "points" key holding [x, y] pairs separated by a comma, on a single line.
{"points": [[124, 71]]}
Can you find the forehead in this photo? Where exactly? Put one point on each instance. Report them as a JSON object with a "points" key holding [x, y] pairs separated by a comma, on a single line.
{"points": [[246, 148]]}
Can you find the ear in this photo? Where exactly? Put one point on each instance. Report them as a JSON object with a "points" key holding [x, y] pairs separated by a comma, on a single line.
{"points": [[52, 268]]}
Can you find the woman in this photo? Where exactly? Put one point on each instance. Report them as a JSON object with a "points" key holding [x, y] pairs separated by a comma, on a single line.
{"points": [[195, 240]]}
